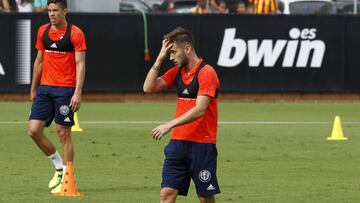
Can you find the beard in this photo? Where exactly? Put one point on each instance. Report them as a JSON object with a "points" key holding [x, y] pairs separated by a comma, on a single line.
{"points": [[183, 62]]}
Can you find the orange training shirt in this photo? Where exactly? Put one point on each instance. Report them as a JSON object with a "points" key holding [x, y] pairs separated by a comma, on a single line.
{"points": [[59, 68], [204, 129]]}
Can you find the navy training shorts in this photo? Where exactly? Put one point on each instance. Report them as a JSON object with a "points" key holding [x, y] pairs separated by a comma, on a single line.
{"points": [[53, 103], [185, 160]]}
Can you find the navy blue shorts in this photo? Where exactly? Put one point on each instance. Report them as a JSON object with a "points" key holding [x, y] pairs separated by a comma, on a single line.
{"points": [[53, 103], [185, 160]]}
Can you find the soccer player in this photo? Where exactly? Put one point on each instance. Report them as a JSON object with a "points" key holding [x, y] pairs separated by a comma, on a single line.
{"points": [[191, 152], [60, 69]]}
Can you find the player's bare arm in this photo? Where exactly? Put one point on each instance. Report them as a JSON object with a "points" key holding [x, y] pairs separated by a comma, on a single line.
{"points": [[80, 77], [6, 6], [153, 83], [36, 74], [214, 4], [202, 103]]}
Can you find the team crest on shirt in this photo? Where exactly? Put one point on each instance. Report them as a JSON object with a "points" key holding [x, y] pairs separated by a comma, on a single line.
{"points": [[64, 110], [204, 176]]}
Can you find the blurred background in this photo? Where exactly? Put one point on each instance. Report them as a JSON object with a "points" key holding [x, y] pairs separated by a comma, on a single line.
{"points": [[286, 68], [259, 48]]}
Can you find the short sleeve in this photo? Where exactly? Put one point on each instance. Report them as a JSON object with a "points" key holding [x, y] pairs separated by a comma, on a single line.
{"points": [[170, 75], [208, 82], [39, 42], [78, 39]]}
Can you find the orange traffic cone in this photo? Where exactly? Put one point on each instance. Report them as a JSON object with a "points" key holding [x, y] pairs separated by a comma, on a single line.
{"points": [[69, 185]]}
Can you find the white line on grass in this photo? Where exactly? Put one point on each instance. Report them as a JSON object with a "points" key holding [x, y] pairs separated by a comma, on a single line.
{"points": [[220, 122]]}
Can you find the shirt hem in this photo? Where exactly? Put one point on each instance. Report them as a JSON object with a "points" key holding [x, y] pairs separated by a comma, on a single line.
{"points": [[197, 141], [57, 85]]}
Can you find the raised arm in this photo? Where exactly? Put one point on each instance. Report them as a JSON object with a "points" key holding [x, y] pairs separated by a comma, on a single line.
{"points": [[153, 83]]}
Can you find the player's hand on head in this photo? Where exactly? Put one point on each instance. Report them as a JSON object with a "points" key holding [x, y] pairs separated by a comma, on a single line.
{"points": [[165, 49], [160, 131]]}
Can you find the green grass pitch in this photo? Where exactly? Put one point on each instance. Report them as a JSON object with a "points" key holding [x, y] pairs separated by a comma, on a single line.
{"points": [[272, 153]]}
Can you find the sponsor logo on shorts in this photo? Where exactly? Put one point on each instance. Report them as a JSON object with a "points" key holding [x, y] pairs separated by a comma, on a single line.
{"points": [[204, 176], [211, 187], [67, 119], [64, 110]]}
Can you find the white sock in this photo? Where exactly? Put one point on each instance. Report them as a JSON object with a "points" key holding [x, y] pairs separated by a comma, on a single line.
{"points": [[56, 160], [64, 172]]}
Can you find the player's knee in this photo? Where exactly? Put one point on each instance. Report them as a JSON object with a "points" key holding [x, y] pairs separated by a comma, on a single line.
{"points": [[208, 199], [63, 134], [167, 195], [34, 132]]}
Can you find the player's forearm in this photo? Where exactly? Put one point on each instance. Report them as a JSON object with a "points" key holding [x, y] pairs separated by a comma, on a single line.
{"points": [[188, 117], [80, 71], [151, 80], [214, 4], [199, 110], [80, 77], [36, 74], [6, 5]]}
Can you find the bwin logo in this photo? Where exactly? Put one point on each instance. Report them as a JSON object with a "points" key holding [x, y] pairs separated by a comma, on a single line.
{"points": [[270, 53]]}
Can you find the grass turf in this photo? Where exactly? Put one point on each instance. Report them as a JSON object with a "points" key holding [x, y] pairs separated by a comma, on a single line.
{"points": [[257, 162]]}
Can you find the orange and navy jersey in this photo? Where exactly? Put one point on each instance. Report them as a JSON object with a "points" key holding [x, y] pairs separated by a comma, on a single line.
{"points": [[265, 6], [204, 129], [59, 66]]}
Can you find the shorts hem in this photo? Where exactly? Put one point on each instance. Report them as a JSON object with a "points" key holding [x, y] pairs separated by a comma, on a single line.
{"points": [[209, 194], [65, 124], [175, 188], [48, 123]]}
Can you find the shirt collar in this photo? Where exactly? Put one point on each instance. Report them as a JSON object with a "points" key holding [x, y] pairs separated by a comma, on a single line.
{"points": [[194, 69]]}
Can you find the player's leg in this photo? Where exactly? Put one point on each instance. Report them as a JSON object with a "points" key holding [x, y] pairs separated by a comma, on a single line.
{"points": [[168, 195], [175, 174], [207, 199], [203, 169], [41, 116], [64, 133], [64, 119], [36, 132]]}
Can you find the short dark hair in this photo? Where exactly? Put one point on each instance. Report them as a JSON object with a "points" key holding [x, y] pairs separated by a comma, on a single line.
{"points": [[180, 35], [63, 3]]}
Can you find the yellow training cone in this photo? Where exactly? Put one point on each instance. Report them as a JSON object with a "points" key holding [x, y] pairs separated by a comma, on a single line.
{"points": [[337, 132], [76, 126]]}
